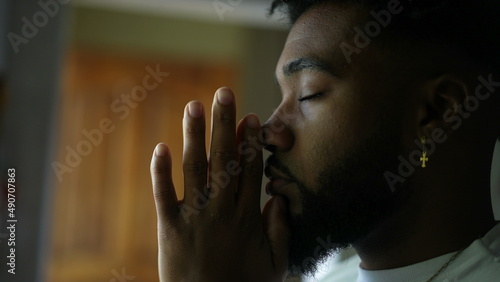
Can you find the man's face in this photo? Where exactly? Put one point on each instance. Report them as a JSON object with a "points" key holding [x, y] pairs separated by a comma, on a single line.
{"points": [[338, 128]]}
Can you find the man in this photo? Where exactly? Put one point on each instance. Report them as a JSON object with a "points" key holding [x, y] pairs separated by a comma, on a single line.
{"points": [[383, 141]]}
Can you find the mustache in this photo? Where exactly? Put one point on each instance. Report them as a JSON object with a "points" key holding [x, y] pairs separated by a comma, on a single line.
{"points": [[277, 164]]}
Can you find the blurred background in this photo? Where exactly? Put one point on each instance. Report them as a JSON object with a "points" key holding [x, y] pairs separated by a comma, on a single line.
{"points": [[91, 87], [88, 87]]}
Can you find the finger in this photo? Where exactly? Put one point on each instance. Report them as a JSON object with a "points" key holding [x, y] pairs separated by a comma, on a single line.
{"points": [[163, 186], [194, 160], [277, 231], [223, 159], [250, 154]]}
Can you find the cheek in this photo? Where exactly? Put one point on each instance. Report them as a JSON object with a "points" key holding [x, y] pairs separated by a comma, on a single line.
{"points": [[315, 146], [334, 123], [328, 131]]}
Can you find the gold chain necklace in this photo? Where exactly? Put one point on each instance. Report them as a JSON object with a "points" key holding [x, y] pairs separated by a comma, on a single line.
{"points": [[446, 264]]}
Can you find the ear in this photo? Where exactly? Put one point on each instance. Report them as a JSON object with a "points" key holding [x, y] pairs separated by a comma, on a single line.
{"points": [[442, 104]]}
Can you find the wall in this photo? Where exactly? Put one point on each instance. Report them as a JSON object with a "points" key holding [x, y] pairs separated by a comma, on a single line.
{"points": [[256, 50], [28, 132]]}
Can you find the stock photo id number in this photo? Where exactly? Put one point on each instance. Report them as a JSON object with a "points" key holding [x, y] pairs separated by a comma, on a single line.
{"points": [[11, 221]]}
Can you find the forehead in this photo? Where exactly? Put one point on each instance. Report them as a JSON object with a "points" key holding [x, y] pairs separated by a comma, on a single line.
{"points": [[319, 31]]}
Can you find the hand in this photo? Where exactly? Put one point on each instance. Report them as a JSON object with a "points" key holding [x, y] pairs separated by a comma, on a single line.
{"points": [[217, 232]]}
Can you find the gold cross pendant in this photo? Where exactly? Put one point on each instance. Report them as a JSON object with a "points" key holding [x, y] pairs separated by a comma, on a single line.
{"points": [[424, 158]]}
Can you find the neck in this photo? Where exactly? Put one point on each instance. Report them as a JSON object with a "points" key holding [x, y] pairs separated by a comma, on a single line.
{"points": [[445, 214]]}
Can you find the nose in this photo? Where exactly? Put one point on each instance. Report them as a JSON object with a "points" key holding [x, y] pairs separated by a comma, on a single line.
{"points": [[277, 131]]}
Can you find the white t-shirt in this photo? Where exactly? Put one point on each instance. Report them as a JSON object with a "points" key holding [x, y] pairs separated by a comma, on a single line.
{"points": [[342, 267], [480, 262]]}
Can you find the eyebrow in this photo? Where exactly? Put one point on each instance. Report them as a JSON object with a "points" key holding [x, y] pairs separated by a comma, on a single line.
{"points": [[301, 64]]}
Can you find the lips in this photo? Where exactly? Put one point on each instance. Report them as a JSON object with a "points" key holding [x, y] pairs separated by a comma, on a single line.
{"points": [[277, 181]]}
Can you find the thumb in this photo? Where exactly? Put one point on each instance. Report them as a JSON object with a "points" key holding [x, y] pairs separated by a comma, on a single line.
{"points": [[277, 231]]}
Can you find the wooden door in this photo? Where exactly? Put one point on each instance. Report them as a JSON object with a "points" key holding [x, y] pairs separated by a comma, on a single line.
{"points": [[104, 222]]}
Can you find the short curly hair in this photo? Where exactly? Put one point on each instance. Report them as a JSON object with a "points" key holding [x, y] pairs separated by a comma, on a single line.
{"points": [[469, 26]]}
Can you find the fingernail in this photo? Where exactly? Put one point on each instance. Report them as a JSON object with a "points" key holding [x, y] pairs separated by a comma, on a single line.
{"points": [[224, 96], [161, 150], [195, 109], [253, 122]]}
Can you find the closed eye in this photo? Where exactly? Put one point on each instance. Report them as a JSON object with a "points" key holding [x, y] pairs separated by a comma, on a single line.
{"points": [[310, 97]]}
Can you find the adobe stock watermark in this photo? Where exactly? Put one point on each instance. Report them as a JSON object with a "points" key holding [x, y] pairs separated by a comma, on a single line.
{"points": [[223, 6], [455, 117], [121, 277], [372, 29], [48, 9], [121, 107], [246, 149]]}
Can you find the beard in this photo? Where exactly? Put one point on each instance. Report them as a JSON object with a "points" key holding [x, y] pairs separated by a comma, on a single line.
{"points": [[352, 199]]}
